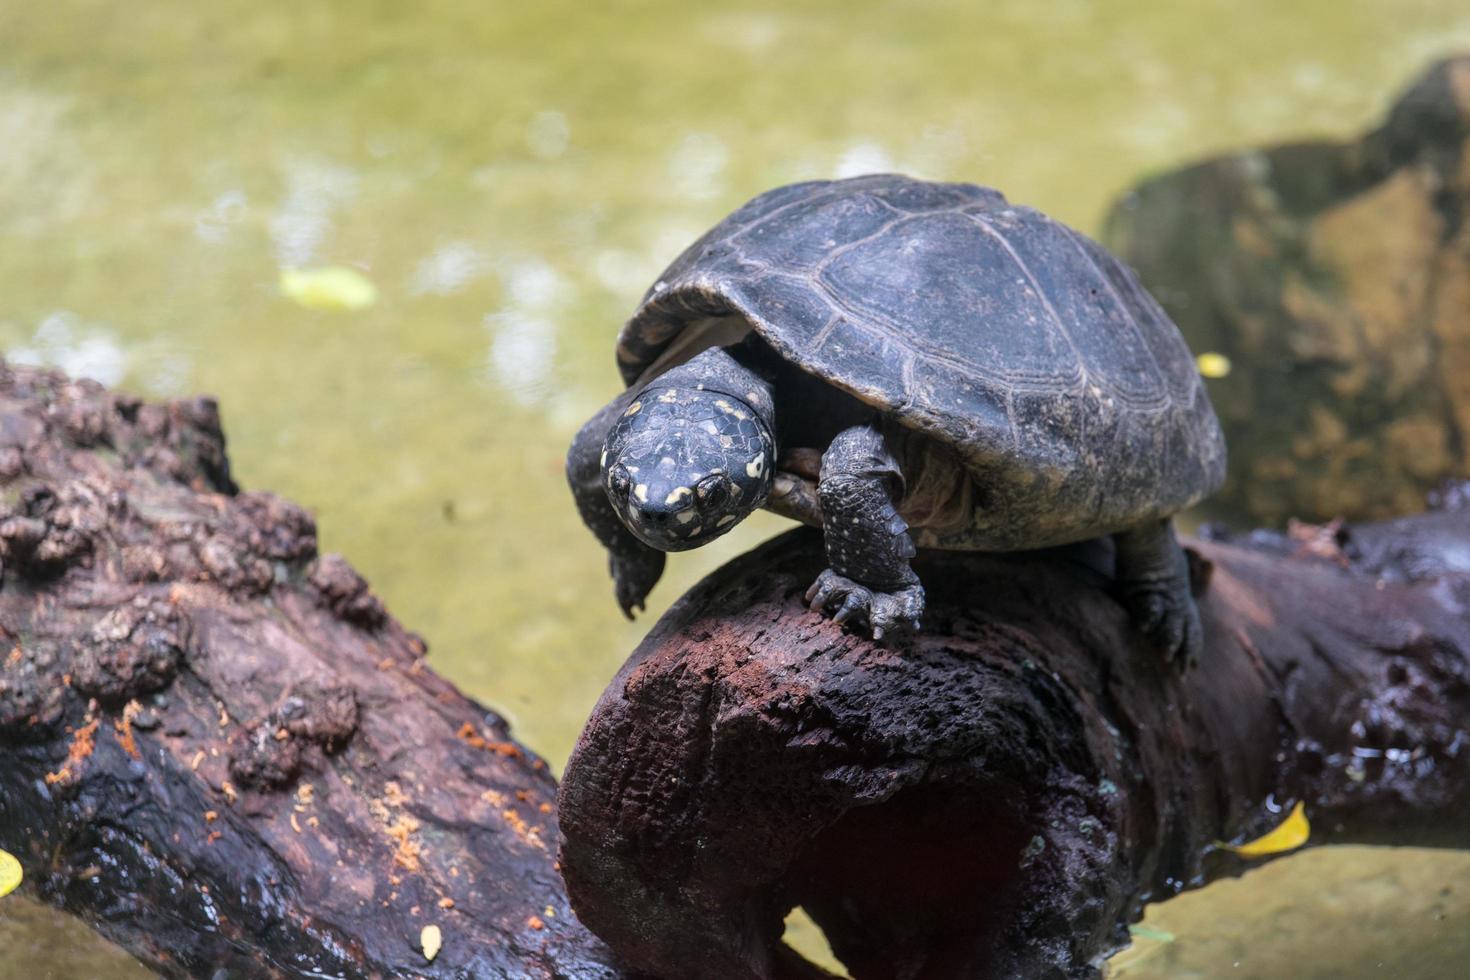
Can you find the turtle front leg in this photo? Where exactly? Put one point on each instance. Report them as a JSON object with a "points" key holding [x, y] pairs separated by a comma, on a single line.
{"points": [[635, 567], [1153, 582], [868, 544]]}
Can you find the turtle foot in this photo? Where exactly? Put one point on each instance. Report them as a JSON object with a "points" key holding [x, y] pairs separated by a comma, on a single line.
{"points": [[634, 575], [882, 612], [1165, 612]]}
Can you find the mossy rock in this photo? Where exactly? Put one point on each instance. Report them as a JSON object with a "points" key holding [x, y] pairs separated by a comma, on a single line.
{"points": [[1336, 278]]}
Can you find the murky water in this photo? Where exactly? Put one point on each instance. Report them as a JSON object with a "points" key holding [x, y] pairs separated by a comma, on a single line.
{"points": [[511, 177]]}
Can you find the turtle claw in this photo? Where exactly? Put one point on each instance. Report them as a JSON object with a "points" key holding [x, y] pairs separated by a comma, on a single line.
{"points": [[883, 612], [634, 575], [852, 605], [1167, 615]]}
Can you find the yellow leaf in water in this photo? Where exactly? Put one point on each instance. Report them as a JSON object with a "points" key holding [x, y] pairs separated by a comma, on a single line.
{"points": [[431, 940], [1212, 364], [332, 287], [10, 873], [1291, 834]]}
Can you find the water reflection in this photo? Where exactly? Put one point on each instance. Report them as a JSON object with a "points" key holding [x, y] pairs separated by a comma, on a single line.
{"points": [[83, 350], [697, 166], [449, 269], [314, 190], [523, 335], [864, 157], [214, 223], [548, 134], [94, 350]]}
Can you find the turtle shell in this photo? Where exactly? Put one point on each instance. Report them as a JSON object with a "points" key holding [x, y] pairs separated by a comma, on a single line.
{"points": [[1017, 342]]}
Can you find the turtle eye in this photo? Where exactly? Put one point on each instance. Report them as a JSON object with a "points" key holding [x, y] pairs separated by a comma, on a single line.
{"points": [[713, 490], [619, 481]]}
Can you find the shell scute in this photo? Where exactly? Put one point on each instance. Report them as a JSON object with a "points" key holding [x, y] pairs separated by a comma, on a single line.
{"points": [[953, 290], [807, 232]]}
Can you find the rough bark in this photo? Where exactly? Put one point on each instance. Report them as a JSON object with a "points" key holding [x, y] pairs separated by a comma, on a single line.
{"points": [[999, 795], [1336, 277], [215, 743]]}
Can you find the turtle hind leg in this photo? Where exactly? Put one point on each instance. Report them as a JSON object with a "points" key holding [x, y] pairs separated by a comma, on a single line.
{"points": [[1153, 583]]}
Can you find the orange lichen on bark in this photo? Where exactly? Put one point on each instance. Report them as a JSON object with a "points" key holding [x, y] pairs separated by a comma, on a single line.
{"points": [[123, 728], [394, 794], [472, 738], [305, 796], [400, 828], [408, 851], [531, 835], [83, 743]]}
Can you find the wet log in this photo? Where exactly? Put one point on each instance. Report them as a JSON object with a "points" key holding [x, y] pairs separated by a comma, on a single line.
{"points": [[215, 743], [1336, 278], [998, 796]]}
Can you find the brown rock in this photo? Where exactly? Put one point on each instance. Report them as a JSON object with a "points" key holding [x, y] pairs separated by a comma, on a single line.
{"points": [[1336, 277]]}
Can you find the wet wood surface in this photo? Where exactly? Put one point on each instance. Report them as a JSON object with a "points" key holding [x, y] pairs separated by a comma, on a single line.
{"points": [[999, 795], [215, 743], [224, 753]]}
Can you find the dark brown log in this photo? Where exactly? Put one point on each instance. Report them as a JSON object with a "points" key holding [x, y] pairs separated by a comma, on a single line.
{"points": [[217, 746], [1000, 795]]}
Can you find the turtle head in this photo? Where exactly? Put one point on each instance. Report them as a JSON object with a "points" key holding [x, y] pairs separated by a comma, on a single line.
{"points": [[684, 465]]}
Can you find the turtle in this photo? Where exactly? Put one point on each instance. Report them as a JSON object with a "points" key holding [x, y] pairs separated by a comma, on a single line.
{"points": [[904, 364]]}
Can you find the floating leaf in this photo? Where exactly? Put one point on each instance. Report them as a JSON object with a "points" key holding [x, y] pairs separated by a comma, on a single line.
{"points": [[431, 940], [332, 287], [1212, 364], [1292, 833], [10, 873], [1149, 932]]}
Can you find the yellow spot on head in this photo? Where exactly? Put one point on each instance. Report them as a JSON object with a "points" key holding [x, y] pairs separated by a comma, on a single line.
{"points": [[723, 405], [1212, 364], [1292, 833], [333, 287], [641, 492], [10, 873], [754, 467], [431, 940], [685, 516], [677, 494], [727, 519], [634, 408]]}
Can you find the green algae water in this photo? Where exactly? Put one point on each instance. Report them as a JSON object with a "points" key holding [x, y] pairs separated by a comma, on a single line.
{"points": [[507, 179]]}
